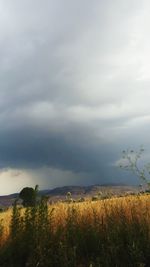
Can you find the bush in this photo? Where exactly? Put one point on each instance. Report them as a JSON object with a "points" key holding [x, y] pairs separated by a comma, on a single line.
{"points": [[29, 196]]}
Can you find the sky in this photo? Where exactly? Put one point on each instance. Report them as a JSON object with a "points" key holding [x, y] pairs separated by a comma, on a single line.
{"points": [[74, 90]]}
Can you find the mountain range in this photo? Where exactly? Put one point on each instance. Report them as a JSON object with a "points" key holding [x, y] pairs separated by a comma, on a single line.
{"points": [[58, 193]]}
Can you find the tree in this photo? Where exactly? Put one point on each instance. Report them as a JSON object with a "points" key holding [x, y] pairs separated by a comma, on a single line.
{"points": [[69, 197], [29, 196], [130, 162]]}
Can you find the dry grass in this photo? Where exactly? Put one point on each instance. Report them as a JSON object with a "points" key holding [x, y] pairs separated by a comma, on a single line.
{"points": [[140, 205], [102, 233]]}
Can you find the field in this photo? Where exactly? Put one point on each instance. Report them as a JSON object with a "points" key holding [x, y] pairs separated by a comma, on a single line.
{"points": [[112, 232]]}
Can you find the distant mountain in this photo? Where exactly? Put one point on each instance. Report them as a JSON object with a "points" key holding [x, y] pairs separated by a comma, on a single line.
{"points": [[76, 191], [64, 189], [90, 189]]}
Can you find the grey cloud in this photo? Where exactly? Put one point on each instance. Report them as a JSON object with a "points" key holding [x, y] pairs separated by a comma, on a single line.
{"points": [[73, 87], [32, 149]]}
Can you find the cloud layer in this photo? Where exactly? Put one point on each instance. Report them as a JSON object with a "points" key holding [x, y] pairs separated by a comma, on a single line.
{"points": [[74, 88]]}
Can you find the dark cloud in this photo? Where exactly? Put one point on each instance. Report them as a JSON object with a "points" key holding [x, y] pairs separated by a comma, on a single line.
{"points": [[28, 148], [74, 79]]}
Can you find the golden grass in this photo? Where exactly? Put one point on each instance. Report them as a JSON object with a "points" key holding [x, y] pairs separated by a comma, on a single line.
{"points": [[103, 232], [140, 204], [92, 210]]}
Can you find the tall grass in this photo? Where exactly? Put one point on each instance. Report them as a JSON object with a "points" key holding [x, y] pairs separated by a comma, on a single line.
{"points": [[114, 232]]}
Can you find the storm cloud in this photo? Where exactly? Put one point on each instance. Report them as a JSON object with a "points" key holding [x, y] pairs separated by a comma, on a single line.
{"points": [[74, 89]]}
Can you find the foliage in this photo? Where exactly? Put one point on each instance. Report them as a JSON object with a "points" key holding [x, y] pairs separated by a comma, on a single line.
{"points": [[69, 197], [29, 196], [130, 162]]}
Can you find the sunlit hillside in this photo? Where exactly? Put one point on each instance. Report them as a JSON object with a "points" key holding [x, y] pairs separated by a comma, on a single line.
{"points": [[111, 232]]}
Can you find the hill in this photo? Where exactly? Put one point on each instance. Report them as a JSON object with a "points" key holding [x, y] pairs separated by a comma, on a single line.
{"points": [[115, 232], [58, 193]]}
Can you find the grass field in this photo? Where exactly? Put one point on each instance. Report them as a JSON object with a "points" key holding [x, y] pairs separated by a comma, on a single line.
{"points": [[113, 232]]}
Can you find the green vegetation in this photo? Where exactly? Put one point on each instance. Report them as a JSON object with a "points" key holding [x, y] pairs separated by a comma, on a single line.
{"points": [[29, 196]]}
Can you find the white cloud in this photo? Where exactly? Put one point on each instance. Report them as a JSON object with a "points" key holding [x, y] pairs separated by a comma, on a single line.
{"points": [[13, 180]]}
